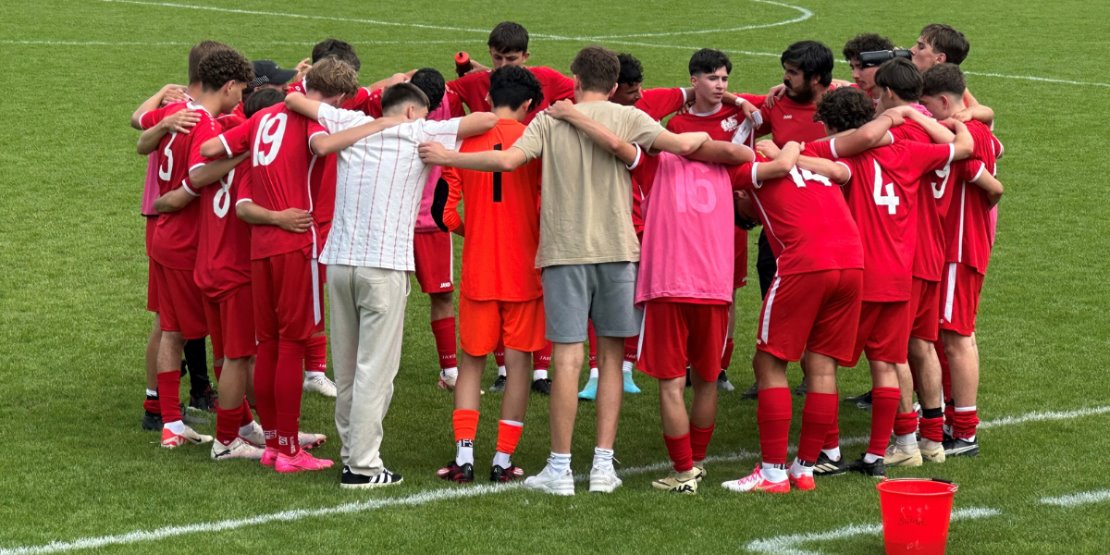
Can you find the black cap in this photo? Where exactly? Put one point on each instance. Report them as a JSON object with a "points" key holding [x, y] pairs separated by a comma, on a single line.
{"points": [[267, 72]]}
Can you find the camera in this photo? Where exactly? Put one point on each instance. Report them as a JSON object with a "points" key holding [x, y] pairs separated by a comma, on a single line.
{"points": [[877, 57]]}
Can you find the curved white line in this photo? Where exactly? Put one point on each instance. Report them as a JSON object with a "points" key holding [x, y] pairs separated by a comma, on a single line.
{"points": [[804, 15]]}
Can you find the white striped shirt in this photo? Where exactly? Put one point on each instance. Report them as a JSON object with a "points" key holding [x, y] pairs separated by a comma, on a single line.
{"points": [[379, 181]]}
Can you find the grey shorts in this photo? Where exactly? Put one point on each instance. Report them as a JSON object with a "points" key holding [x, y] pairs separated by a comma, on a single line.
{"points": [[602, 292]]}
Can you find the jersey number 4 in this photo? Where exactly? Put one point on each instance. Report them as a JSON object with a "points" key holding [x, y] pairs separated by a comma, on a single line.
{"points": [[270, 132], [884, 193]]}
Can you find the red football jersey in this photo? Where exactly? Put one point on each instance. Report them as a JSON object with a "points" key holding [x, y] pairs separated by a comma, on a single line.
{"points": [[928, 257], [281, 165], [223, 249], [472, 89], [882, 196], [806, 218], [968, 231], [660, 103], [789, 120], [175, 234]]}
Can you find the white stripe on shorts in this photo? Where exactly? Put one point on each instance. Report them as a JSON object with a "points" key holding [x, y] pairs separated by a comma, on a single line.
{"points": [[766, 327], [950, 293], [640, 340]]}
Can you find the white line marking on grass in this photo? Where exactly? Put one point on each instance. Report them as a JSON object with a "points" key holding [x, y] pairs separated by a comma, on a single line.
{"points": [[458, 493], [790, 545], [1038, 79], [1077, 499], [804, 15], [27, 42]]}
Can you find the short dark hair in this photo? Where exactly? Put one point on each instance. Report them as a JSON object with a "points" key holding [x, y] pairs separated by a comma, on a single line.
{"points": [[224, 65], [597, 68], [262, 98], [813, 58], [866, 42], [708, 60], [900, 76], [511, 86], [943, 78], [508, 36], [844, 108], [632, 71], [197, 53], [338, 48], [431, 81], [403, 93], [948, 41]]}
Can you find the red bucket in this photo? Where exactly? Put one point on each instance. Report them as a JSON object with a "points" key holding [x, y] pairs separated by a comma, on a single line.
{"points": [[916, 512]]}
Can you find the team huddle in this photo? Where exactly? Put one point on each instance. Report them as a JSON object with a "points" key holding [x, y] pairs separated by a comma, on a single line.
{"points": [[582, 218]]}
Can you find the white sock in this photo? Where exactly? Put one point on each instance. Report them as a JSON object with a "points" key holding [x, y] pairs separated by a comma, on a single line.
{"points": [[151, 392], [539, 375], [177, 426], [593, 373], [773, 472], [799, 469], [908, 439], [870, 458], [309, 374], [504, 460], [246, 429], [626, 367], [833, 454], [603, 458], [452, 372], [559, 462], [501, 371], [464, 452]]}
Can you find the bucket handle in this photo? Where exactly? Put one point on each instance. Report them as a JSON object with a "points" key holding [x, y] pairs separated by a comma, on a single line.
{"points": [[941, 480]]}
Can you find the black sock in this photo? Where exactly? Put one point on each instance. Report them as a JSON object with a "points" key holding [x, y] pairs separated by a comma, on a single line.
{"points": [[196, 359], [932, 413]]}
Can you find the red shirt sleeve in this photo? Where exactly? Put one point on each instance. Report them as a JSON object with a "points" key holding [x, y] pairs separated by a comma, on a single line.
{"points": [[205, 130], [660, 103], [237, 140], [451, 217], [742, 176], [152, 118], [468, 88], [373, 105], [820, 149], [928, 157], [556, 86]]}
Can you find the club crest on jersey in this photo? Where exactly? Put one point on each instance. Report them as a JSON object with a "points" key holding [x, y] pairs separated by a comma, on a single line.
{"points": [[729, 124]]}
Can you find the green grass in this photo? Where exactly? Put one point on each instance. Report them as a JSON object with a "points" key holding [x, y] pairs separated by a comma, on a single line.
{"points": [[72, 291]]}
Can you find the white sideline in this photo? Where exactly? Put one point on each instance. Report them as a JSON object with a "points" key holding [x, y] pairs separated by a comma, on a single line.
{"points": [[789, 545], [441, 494], [611, 39], [1077, 499]]}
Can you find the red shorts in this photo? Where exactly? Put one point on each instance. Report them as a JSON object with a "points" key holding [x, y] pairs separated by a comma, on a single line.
{"points": [[483, 323], [884, 332], [818, 311], [925, 308], [180, 302], [675, 333], [740, 260], [961, 285], [151, 283], [288, 297], [435, 262], [231, 323]]}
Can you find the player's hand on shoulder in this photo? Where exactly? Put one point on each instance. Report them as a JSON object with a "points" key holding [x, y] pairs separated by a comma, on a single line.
{"points": [[293, 219], [897, 117], [432, 153], [182, 121], [173, 93], [767, 148], [773, 95], [302, 68], [562, 109]]}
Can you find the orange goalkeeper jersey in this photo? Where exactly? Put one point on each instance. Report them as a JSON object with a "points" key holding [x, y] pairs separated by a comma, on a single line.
{"points": [[502, 230]]}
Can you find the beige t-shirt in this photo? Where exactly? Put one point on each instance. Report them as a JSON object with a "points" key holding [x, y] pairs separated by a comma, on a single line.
{"points": [[586, 197]]}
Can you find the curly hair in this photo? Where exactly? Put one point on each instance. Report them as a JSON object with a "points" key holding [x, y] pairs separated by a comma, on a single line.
{"points": [[512, 86], [867, 42], [632, 71], [431, 82], [844, 108], [198, 52], [224, 65]]}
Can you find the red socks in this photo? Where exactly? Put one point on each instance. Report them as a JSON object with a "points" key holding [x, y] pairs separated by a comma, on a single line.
{"points": [[932, 429], [593, 344], [465, 424], [541, 359], [631, 346], [227, 424], [832, 439], [245, 416], [316, 354], [773, 415], [499, 353], [287, 389], [678, 448], [965, 424], [508, 435], [169, 395], [726, 358], [699, 440], [444, 332], [152, 405], [884, 405], [905, 423], [265, 367], [818, 416]]}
